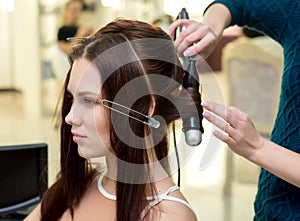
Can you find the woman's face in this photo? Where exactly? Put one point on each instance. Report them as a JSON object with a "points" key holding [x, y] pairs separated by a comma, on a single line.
{"points": [[89, 119]]}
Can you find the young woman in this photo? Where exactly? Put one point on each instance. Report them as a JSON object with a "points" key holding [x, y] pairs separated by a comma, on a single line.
{"points": [[122, 93]]}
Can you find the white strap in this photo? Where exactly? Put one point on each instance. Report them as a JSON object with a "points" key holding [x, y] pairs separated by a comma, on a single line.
{"points": [[103, 191], [113, 197], [170, 190], [164, 196], [155, 199]]}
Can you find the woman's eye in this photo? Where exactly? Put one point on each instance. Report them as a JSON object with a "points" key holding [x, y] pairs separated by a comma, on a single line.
{"points": [[89, 101], [69, 97]]}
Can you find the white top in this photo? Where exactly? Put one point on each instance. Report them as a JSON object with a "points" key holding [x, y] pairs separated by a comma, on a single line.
{"points": [[155, 199]]}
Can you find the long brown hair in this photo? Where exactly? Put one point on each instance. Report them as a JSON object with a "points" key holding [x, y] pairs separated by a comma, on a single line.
{"points": [[124, 51]]}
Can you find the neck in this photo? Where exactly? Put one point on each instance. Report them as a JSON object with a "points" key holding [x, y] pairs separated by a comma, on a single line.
{"points": [[156, 175], [111, 164], [154, 170]]}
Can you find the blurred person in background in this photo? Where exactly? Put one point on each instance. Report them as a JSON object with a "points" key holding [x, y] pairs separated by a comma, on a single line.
{"points": [[71, 27]]}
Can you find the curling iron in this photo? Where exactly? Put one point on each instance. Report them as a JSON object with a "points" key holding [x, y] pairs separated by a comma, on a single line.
{"points": [[192, 126]]}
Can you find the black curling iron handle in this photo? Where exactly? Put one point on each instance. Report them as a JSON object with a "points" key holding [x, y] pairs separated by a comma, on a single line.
{"points": [[183, 15], [192, 126]]}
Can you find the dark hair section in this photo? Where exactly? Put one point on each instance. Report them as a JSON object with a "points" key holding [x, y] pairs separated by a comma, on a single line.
{"points": [[142, 56]]}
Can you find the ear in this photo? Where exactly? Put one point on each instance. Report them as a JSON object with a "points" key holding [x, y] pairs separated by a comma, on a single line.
{"points": [[152, 106]]}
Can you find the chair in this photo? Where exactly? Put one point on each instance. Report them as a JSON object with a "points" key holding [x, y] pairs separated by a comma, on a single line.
{"points": [[24, 178], [253, 68]]}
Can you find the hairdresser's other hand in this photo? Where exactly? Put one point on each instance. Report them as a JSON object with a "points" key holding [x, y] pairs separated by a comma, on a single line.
{"points": [[239, 131], [201, 34]]}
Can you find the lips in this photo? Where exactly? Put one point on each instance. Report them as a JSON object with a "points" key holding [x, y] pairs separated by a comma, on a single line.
{"points": [[77, 138]]}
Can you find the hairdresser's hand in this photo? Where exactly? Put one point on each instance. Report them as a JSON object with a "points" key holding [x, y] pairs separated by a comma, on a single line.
{"points": [[205, 34], [239, 131], [201, 34]]}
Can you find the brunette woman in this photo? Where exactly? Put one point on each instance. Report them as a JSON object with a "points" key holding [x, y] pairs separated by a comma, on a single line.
{"points": [[121, 97]]}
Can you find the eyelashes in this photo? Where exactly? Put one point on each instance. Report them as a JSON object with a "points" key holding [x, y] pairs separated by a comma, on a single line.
{"points": [[89, 101], [86, 101]]}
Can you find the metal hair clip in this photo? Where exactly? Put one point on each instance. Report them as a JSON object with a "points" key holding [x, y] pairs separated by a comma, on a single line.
{"points": [[151, 121], [70, 39], [77, 38]]}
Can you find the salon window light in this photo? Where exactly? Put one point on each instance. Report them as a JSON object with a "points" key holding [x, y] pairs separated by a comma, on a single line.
{"points": [[172, 7], [110, 3], [194, 7], [7, 5]]}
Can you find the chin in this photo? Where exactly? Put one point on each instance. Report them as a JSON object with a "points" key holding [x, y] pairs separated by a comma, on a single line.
{"points": [[80, 153], [87, 154], [83, 154]]}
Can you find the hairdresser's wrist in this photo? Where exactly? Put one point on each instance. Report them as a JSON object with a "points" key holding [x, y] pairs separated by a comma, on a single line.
{"points": [[260, 152], [217, 17]]}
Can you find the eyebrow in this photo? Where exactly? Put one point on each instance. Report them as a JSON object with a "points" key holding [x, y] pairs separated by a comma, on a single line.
{"points": [[83, 93]]}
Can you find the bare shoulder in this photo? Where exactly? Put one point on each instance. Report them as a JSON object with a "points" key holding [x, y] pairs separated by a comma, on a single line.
{"points": [[175, 207], [35, 214], [172, 210]]}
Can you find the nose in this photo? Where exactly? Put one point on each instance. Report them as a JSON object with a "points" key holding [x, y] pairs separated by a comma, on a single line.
{"points": [[72, 119]]}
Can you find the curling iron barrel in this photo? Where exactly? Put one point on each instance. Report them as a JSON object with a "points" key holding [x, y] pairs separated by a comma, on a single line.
{"points": [[191, 126]]}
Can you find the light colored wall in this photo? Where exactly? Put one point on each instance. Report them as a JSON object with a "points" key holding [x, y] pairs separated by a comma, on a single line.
{"points": [[6, 70], [26, 53]]}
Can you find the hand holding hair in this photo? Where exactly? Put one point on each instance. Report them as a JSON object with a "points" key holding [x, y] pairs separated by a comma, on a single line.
{"points": [[239, 132], [242, 137]]}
